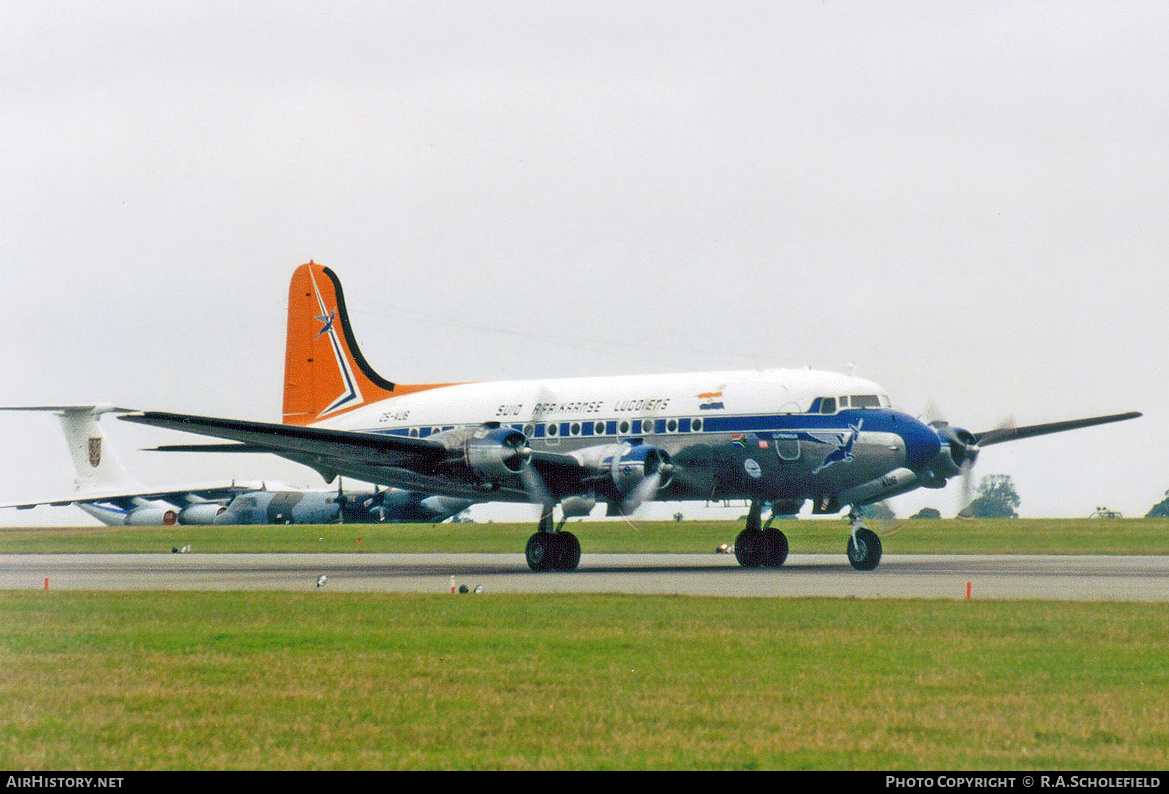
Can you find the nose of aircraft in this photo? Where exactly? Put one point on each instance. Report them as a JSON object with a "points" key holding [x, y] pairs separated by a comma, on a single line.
{"points": [[922, 444]]}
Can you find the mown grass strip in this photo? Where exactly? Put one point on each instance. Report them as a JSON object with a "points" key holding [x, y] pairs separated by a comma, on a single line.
{"points": [[909, 536], [363, 681]]}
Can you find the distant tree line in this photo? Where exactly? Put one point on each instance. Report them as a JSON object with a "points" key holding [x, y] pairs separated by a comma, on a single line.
{"points": [[1161, 509]]}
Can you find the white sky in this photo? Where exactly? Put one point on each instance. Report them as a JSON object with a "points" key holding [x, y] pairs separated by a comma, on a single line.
{"points": [[969, 201]]}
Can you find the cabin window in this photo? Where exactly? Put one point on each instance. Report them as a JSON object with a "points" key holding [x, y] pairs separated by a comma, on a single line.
{"points": [[552, 429], [695, 425], [599, 429], [623, 428], [574, 429], [672, 426]]}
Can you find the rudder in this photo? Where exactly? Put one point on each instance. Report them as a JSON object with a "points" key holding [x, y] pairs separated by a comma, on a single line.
{"points": [[325, 374]]}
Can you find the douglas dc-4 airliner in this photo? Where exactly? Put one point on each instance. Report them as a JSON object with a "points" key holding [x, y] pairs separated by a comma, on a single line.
{"points": [[779, 438]]}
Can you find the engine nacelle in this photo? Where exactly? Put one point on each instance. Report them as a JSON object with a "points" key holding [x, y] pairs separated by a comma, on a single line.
{"points": [[635, 464], [495, 454], [578, 506], [201, 513], [151, 515], [959, 448]]}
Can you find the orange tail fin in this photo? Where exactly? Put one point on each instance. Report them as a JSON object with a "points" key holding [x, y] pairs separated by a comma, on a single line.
{"points": [[325, 374]]}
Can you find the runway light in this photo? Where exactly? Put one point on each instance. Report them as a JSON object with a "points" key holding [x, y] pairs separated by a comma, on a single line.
{"points": [[968, 591], [321, 581]]}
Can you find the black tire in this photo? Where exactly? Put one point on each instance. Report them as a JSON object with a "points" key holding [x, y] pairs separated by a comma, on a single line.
{"points": [[541, 551], [569, 556], [774, 548], [864, 552], [749, 548]]}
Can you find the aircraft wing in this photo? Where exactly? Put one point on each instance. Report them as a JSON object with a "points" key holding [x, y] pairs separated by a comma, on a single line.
{"points": [[1004, 434], [174, 494], [279, 438], [398, 461]]}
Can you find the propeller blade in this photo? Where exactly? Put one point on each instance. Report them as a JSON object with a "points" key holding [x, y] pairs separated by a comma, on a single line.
{"points": [[535, 486], [647, 489], [966, 495], [1002, 434]]}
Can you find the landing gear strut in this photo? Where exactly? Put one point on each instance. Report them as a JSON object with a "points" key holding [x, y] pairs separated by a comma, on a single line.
{"points": [[760, 546], [864, 547], [551, 549]]}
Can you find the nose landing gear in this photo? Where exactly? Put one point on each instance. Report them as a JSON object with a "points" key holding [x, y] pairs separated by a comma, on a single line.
{"points": [[864, 547]]}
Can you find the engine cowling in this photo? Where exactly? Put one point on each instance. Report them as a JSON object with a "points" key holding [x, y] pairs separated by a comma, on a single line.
{"points": [[635, 465], [578, 506], [152, 515], [495, 455], [959, 449], [201, 513]]}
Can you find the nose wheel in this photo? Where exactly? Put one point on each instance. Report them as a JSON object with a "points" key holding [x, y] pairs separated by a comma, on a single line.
{"points": [[864, 548]]}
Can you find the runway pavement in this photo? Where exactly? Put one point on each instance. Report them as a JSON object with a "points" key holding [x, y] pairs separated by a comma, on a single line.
{"points": [[1078, 578]]}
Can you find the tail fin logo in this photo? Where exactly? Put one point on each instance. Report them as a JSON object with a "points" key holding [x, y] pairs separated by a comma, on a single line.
{"points": [[351, 393], [325, 374], [327, 319], [95, 451]]}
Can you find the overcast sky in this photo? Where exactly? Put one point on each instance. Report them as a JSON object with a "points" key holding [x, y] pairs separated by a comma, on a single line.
{"points": [[968, 201]]}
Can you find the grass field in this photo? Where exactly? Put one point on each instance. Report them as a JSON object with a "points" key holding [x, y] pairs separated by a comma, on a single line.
{"points": [[910, 536], [350, 681], [126, 681]]}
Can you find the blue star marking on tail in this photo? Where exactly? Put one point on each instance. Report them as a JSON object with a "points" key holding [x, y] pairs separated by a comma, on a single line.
{"points": [[327, 319]]}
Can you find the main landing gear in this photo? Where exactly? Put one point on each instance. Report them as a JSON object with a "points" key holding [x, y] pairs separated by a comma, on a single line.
{"points": [[550, 549], [760, 546]]}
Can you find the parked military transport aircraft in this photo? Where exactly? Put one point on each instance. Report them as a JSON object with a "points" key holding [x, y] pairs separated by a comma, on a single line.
{"points": [[338, 505], [779, 437], [105, 490]]}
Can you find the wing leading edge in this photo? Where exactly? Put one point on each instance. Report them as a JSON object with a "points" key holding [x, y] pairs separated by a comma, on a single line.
{"points": [[396, 461]]}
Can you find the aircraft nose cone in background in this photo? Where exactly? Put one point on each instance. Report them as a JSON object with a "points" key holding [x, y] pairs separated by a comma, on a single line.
{"points": [[922, 443]]}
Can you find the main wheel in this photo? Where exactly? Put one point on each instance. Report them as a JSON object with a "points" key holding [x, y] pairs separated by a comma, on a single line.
{"points": [[541, 551], [864, 551], [749, 548], [774, 548], [569, 556]]}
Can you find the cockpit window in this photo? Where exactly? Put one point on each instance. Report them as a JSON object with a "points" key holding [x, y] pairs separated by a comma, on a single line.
{"points": [[865, 401], [827, 405]]}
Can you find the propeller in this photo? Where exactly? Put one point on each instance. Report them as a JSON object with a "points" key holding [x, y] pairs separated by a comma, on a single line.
{"points": [[964, 447], [534, 485], [656, 468], [341, 500]]}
